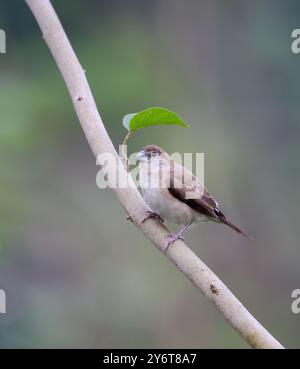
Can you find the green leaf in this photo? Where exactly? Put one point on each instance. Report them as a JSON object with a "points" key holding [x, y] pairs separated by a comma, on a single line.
{"points": [[152, 117]]}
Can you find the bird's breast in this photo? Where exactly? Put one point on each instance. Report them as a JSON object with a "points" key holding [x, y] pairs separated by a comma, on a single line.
{"points": [[163, 203], [156, 194]]}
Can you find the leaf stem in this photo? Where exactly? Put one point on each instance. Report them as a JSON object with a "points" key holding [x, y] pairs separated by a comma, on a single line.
{"points": [[124, 150]]}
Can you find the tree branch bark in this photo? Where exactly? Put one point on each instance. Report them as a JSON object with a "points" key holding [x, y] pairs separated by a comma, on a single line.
{"points": [[185, 260]]}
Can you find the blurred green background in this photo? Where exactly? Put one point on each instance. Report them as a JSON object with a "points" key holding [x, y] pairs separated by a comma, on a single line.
{"points": [[228, 70]]}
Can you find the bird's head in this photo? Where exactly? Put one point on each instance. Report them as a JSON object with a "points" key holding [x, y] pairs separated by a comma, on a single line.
{"points": [[149, 152]]}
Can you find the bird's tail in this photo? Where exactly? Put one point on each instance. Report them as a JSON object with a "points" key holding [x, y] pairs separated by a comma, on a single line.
{"points": [[234, 227]]}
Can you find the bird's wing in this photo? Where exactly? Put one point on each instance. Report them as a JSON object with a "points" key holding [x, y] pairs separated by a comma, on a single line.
{"points": [[186, 187]]}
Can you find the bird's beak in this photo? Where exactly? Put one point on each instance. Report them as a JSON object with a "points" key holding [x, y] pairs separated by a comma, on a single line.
{"points": [[140, 155]]}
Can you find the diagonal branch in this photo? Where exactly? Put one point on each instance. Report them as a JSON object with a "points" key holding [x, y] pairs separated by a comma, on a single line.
{"points": [[185, 260]]}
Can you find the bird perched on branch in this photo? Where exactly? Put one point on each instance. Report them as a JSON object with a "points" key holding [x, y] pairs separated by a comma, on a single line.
{"points": [[175, 194]]}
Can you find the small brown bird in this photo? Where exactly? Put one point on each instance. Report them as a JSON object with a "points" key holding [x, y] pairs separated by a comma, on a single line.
{"points": [[175, 194]]}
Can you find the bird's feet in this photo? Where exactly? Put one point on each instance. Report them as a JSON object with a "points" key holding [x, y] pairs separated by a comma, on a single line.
{"points": [[152, 215], [171, 238]]}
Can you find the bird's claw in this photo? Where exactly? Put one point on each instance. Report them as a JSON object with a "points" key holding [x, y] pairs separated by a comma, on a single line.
{"points": [[171, 239], [152, 215]]}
